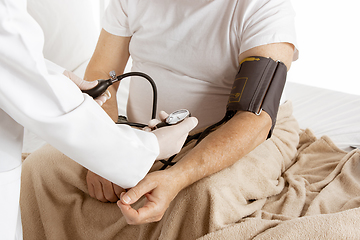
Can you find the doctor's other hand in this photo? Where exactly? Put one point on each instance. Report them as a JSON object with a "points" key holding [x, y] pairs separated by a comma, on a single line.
{"points": [[159, 189], [85, 85], [172, 138], [102, 189]]}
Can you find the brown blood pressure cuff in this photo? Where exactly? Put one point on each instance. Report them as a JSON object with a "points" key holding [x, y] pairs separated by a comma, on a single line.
{"points": [[258, 86]]}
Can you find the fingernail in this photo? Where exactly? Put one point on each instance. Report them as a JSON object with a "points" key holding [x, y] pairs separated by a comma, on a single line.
{"points": [[99, 102], [107, 94], [194, 120], [126, 199], [147, 129]]}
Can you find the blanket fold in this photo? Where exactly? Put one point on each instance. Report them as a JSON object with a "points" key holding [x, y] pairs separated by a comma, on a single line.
{"points": [[320, 199]]}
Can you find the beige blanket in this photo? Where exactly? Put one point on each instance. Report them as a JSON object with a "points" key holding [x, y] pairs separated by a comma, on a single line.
{"points": [[320, 200], [284, 189]]}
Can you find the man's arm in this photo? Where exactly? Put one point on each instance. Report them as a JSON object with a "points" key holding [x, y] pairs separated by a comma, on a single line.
{"points": [[222, 148], [239, 136], [111, 53]]}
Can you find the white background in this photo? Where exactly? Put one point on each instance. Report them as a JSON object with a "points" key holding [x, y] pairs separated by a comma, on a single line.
{"points": [[328, 37]]}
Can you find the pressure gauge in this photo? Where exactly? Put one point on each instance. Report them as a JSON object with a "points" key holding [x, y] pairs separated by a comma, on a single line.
{"points": [[175, 117]]}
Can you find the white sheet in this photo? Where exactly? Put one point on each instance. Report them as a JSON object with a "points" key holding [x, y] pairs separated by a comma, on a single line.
{"points": [[327, 112]]}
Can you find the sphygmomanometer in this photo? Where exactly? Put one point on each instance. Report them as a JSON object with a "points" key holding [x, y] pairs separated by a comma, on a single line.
{"points": [[258, 87], [173, 118]]}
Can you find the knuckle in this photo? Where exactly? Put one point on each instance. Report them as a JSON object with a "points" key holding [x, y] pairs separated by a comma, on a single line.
{"points": [[118, 191], [100, 197], [102, 200], [156, 218], [111, 197], [131, 221], [92, 195]]}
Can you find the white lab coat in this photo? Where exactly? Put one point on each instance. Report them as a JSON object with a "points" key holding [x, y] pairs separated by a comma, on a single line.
{"points": [[52, 106]]}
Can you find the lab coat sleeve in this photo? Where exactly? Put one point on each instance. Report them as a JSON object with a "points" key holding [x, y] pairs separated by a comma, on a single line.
{"points": [[53, 107]]}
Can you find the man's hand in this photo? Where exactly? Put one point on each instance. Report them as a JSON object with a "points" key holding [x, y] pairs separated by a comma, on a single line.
{"points": [[159, 188], [102, 189], [84, 85]]}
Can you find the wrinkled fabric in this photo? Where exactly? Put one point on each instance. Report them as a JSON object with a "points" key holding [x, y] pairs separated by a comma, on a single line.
{"points": [[293, 186]]}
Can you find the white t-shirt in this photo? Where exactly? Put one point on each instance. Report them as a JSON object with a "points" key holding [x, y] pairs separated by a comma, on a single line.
{"points": [[191, 47]]}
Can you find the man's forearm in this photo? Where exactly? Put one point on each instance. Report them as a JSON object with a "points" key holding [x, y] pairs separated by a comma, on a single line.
{"points": [[111, 54], [239, 136], [110, 106], [222, 148]]}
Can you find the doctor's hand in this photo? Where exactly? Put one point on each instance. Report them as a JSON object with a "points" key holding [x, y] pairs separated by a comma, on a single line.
{"points": [[159, 189], [172, 138], [84, 85], [102, 189]]}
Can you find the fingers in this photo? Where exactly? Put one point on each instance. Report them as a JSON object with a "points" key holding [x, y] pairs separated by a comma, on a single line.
{"points": [[163, 115], [85, 85], [91, 190], [81, 83], [153, 122], [102, 192], [135, 193], [150, 212], [118, 190], [128, 212], [102, 189], [156, 188], [100, 101], [90, 185], [191, 124], [103, 98], [95, 191], [109, 192]]}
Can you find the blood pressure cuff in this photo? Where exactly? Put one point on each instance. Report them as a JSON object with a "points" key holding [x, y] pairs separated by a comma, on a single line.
{"points": [[258, 86]]}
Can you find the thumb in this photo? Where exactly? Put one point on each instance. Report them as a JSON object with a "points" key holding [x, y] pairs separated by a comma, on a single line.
{"points": [[85, 85], [187, 124], [81, 83], [125, 198], [135, 193], [163, 115]]}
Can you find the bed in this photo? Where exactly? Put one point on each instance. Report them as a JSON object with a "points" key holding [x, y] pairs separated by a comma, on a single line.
{"points": [[324, 115]]}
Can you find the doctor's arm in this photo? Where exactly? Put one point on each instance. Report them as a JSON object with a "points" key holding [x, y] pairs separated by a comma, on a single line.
{"points": [[222, 148], [58, 112]]}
